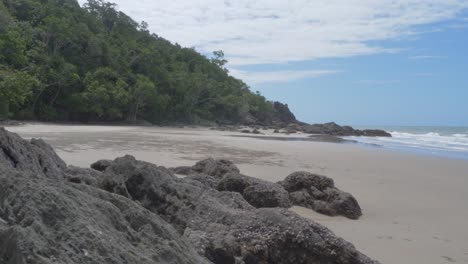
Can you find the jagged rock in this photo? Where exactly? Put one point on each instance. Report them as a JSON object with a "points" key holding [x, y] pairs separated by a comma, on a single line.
{"points": [[266, 195], [34, 156], [375, 133], [224, 227], [183, 170], [302, 180], [282, 116], [101, 165], [46, 218], [82, 175], [257, 192], [142, 213], [216, 168], [319, 193], [206, 180], [234, 182]]}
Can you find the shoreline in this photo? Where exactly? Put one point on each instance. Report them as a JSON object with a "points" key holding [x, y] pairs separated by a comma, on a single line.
{"points": [[268, 134], [412, 204]]}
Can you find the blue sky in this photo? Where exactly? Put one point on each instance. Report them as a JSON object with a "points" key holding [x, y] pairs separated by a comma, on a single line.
{"points": [[357, 62], [424, 84]]}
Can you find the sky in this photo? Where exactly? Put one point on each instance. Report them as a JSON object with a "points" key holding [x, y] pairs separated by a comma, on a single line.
{"points": [[355, 62]]}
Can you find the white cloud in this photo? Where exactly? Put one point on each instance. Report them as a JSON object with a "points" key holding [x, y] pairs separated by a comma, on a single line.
{"points": [[280, 31], [256, 77]]}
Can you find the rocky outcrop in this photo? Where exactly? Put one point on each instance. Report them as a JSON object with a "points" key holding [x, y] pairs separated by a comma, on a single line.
{"points": [[101, 165], [223, 226], [47, 217], [216, 168], [223, 175], [320, 194], [300, 188], [333, 129], [257, 192], [30, 157], [137, 212], [282, 116]]}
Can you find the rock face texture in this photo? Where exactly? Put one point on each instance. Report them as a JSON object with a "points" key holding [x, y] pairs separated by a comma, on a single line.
{"points": [[223, 175], [101, 165], [46, 218], [216, 168], [255, 191], [320, 194], [137, 212], [299, 188]]}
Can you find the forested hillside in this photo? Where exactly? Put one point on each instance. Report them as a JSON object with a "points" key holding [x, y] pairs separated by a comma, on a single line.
{"points": [[63, 62]]}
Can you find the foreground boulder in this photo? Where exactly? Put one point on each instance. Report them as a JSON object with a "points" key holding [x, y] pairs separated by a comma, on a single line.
{"points": [[137, 212], [320, 194], [223, 175], [45, 217], [101, 165], [257, 192], [216, 168], [223, 226]]}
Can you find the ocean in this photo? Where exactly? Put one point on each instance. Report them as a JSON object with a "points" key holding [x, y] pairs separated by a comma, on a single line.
{"points": [[451, 142]]}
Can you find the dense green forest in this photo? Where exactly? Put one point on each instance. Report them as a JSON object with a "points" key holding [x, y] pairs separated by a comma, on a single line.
{"points": [[63, 62]]}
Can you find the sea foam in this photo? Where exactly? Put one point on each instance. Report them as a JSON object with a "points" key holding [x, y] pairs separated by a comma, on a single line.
{"points": [[437, 143]]}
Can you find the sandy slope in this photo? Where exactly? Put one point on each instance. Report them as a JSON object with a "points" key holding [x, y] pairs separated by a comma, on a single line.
{"points": [[415, 207]]}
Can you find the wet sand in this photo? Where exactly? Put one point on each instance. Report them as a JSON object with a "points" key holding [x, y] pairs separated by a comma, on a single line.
{"points": [[415, 207]]}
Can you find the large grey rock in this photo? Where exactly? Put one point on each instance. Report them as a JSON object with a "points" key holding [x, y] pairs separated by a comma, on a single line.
{"points": [[257, 192], [34, 156], [223, 226], [47, 217], [137, 212], [216, 168], [319, 193], [101, 165], [267, 195]]}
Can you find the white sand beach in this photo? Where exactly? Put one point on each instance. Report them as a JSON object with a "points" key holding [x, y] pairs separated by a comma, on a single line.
{"points": [[415, 207]]}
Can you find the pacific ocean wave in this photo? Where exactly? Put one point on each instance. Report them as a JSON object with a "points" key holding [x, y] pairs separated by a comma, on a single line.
{"points": [[432, 142]]}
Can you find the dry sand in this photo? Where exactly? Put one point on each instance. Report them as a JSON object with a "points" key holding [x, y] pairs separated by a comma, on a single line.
{"points": [[415, 207]]}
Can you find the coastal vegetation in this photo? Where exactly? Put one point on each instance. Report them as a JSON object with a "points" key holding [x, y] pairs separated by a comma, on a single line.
{"points": [[63, 62]]}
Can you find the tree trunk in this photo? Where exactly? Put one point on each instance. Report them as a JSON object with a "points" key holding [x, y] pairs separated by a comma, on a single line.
{"points": [[132, 115]]}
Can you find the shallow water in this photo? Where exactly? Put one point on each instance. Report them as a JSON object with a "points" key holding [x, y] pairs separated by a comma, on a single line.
{"points": [[451, 142]]}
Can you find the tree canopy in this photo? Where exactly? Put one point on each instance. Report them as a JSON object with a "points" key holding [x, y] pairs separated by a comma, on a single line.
{"points": [[61, 61]]}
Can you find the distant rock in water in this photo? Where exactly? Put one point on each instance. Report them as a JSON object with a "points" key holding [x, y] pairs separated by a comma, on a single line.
{"points": [[334, 129], [137, 212]]}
